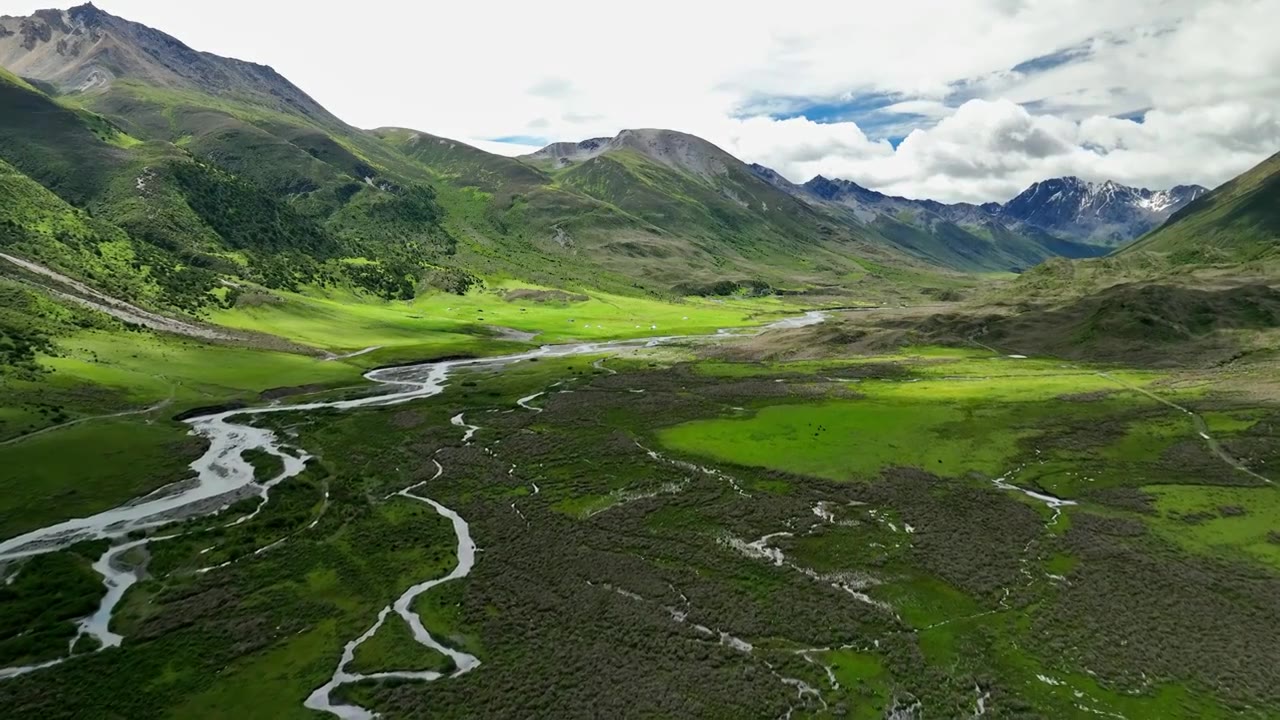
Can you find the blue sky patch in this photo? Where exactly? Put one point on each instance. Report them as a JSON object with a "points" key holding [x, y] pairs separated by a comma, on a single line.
{"points": [[521, 140], [868, 110], [1057, 58], [834, 110]]}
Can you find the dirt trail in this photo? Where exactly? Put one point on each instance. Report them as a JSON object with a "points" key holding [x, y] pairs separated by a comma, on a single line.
{"points": [[331, 357], [153, 408], [78, 292], [1201, 427]]}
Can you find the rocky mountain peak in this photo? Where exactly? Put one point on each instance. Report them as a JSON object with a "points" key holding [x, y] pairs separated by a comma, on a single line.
{"points": [[675, 149], [838, 189], [84, 49], [823, 187], [1105, 212], [1070, 208], [88, 14]]}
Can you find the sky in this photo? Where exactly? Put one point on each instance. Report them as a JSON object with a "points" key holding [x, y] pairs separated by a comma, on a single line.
{"points": [[954, 100]]}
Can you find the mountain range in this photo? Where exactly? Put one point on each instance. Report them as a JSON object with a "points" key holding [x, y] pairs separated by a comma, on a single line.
{"points": [[1060, 217], [207, 170], [1069, 210]]}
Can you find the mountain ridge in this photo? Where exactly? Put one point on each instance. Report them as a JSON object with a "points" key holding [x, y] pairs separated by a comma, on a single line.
{"points": [[1238, 221], [85, 49], [656, 209], [961, 235], [177, 170], [1106, 213]]}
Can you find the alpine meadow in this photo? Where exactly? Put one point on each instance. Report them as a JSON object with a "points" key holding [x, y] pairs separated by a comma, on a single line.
{"points": [[880, 390]]}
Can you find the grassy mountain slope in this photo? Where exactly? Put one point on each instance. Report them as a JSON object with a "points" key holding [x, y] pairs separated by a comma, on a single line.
{"points": [[696, 205], [72, 153], [515, 220], [720, 195], [189, 215], [226, 167], [1236, 222], [643, 215], [975, 248]]}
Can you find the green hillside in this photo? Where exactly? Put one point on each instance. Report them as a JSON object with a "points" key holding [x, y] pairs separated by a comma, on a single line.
{"points": [[225, 198], [226, 167], [301, 420], [1239, 221]]}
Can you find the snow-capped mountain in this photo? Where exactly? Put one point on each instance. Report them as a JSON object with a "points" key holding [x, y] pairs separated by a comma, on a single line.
{"points": [[1105, 213]]}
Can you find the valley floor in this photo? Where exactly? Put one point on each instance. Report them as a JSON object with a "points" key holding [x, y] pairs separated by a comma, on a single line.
{"points": [[674, 531]]}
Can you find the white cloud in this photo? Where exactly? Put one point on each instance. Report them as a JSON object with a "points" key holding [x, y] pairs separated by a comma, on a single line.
{"points": [[501, 148], [1208, 73], [991, 150]]}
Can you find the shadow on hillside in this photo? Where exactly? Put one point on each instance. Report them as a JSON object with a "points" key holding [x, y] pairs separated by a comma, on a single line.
{"points": [[1145, 325]]}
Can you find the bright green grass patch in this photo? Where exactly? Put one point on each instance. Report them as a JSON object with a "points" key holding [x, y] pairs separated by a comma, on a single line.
{"points": [[924, 601], [1061, 563], [348, 324], [923, 358], [938, 352], [966, 414], [394, 648], [256, 686], [844, 440], [152, 367], [993, 388], [1233, 421], [345, 321], [441, 613], [1231, 521], [584, 505], [1147, 440], [87, 468], [862, 675]]}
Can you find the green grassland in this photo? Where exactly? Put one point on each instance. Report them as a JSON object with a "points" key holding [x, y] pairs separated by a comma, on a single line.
{"points": [[954, 413], [659, 534], [983, 592], [110, 396], [847, 439], [1077, 435], [1222, 521], [148, 367], [45, 480], [393, 648], [449, 323], [79, 370]]}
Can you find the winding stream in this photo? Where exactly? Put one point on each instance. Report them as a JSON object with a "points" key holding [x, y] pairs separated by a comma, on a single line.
{"points": [[322, 699], [223, 476]]}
